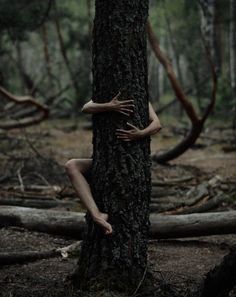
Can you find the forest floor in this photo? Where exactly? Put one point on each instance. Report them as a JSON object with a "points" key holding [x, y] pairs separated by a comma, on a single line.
{"points": [[178, 264]]}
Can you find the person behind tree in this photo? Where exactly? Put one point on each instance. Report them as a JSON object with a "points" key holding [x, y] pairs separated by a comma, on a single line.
{"points": [[78, 169]]}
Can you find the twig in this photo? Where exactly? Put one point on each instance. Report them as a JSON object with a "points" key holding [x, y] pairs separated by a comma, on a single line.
{"points": [[30, 144], [44, 179], [20, 179], [136, 290]]}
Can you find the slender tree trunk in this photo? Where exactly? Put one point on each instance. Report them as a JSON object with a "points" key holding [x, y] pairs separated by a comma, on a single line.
{"points": [[121, 176], [20, 63], [63, 50], [210, 29], [90, 23], [161, 72], [47, 59], [232, 46]]}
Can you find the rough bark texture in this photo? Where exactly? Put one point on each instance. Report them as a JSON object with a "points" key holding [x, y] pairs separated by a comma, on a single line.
{"points": [[121, 178]]}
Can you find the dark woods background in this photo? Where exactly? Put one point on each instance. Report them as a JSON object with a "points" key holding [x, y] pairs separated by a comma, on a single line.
{"points": [[45, 78], [45, 51]]}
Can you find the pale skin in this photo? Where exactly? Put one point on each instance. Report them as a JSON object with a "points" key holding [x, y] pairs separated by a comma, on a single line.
{"points": [[76, 168]]}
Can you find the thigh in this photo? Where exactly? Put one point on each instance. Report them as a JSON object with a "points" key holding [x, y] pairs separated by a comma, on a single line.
{"points": [[83, 165]]}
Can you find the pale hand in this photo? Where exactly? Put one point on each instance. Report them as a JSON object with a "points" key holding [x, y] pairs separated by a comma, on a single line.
{"points": [[129, 135], [125, 107]]}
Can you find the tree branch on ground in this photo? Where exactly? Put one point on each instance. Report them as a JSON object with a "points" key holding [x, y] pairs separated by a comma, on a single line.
{"points": [[42, 114]]}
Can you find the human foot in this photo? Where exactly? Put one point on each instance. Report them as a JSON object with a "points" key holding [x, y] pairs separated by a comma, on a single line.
{"points": [[101, 219]]}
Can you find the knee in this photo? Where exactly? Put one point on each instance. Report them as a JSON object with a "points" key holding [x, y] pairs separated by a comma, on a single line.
{"points": [[70, 166]]}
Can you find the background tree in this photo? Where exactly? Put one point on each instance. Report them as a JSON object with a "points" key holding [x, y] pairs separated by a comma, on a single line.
{"points": [[232, 52]]}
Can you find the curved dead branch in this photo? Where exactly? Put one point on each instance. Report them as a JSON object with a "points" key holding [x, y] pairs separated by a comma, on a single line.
{"points": [[196, 121], [42, 114]]}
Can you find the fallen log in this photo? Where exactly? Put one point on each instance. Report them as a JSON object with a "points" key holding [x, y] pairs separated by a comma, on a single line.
{"points": [[8, 258], [35, 188], [160, 192], [36, 203], [162, 226], [172, 182], [48, 221], [203, 205]]}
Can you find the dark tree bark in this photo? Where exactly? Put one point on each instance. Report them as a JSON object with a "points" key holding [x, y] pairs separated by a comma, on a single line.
{"points": [[121, 178]]}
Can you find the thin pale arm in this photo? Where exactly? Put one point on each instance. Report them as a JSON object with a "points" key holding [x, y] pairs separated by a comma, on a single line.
{"points": [[124, 107], [154, 123], [92, 107]]}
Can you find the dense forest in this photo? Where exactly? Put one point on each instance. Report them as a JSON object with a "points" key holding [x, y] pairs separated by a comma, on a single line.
{"points": [[46, 52], [169, 196]]}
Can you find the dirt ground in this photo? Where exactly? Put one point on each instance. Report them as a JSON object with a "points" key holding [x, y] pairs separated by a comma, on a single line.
{"points": [[179, 265]]}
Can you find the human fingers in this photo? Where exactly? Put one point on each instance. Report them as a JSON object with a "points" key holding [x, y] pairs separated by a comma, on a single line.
{"points": [[131, 125], [122, 112], [125, 139], [117, 95], [129, 106], [124, 135], [126, 104], [126, 109], [129, 101], [108, 228], [107, 232], [121, 131]]}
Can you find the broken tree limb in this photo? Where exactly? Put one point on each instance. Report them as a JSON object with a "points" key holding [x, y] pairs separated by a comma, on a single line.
{"points": [[196, 121], [173, 181], [8, 258], [36, 203], [43, 111], [187, 105], [162, 226], [203, 205]]}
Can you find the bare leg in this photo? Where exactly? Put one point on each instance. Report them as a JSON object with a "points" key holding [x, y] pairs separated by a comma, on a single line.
{"points": [[76, 168]]}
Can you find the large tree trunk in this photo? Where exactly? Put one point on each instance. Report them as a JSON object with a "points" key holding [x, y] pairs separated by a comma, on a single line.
{"points": [[121, 177]]}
